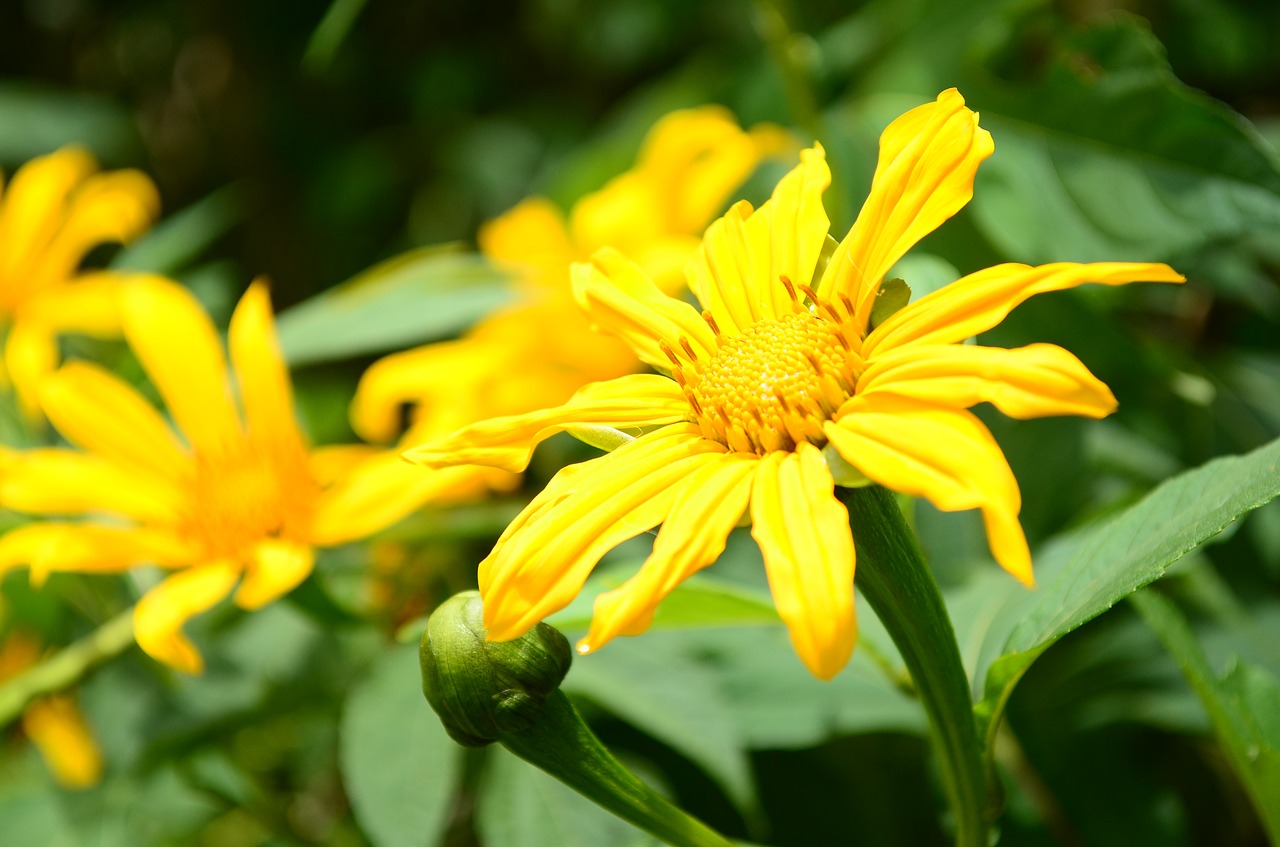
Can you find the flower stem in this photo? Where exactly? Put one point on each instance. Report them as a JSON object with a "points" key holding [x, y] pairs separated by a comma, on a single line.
{"points": [[893, 577], [67, 666]]}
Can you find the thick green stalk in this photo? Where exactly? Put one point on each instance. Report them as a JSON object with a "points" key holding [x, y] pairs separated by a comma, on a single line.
{"points": [[66, 667], [561, 744], [894, 578]]}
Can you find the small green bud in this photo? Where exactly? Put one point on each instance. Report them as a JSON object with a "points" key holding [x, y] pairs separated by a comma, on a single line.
{"points": [[483, 690]]}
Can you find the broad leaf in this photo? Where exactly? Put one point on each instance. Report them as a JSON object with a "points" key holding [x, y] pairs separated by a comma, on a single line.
{"points": [[398, 764], [180, 238], [700, 601], [420, 296]]}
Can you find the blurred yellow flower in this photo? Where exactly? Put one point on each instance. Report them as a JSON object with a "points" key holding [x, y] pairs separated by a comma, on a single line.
{"points": [[55, 210], [225, 500], [54, 724], [539, 351], [781, 379]]}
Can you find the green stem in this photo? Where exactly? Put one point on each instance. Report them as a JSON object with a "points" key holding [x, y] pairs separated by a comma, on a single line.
{"points": [[560, 743], [66, 667], [893, 577]]}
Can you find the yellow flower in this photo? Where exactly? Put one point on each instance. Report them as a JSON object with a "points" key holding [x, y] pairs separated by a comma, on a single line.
{"points": [[224, 500], [54, 211], [54, 724], [690, 163], [778, 382]]}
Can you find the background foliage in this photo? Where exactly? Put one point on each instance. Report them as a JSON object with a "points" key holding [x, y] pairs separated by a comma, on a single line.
{"points": [[311, 143]]}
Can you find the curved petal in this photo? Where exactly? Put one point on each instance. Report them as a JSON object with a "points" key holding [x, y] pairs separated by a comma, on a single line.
{"points": [[803, 532], [160, 614], [540, 562], [55, 481], [59, 731], [179, 349], [30, 355], [1029, 382], [928, 159], [722, 272], [96, 410], [90, 304], [407, 377], [623, 301], [531, 234], [944, 455], [33, 207], [85, 548], [981, 300], [278, 565], [507, 443], [263, 377], [708, 506], [115, 206], [383, 489]]}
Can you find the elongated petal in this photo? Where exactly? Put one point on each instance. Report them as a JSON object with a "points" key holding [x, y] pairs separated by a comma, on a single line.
{"points": [[160, 614], [531, 234], [539, 564], [507, 443], [263, 377], [944, 455], [432, 371], [34, 205], [86, 548], [98, 411], [722, 272], [108, 207], [59, 731], [1029, 382], [623, 301], [708, 506], [30, 355], [803, 532], [383, 489], [179, 348], [981, 300], [89, 305], [277, 566], [928, 159], [55, 481]]}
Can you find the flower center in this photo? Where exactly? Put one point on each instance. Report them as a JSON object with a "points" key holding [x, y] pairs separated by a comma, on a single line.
{"points": [[241, 499], [773, 385]]}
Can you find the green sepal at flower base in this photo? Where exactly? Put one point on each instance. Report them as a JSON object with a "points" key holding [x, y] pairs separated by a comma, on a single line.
{"points": [[508, 691]]}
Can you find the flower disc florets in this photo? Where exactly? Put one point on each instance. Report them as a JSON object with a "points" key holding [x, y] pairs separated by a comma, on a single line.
{"points": [[775, 383]]}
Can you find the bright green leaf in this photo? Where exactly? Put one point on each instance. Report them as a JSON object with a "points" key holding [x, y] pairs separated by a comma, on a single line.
{"points": [[182, 237], [398, 764], [700, 601]]}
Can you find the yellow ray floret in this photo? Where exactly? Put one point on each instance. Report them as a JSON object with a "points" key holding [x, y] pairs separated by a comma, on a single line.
{"points": [[777, 367]]}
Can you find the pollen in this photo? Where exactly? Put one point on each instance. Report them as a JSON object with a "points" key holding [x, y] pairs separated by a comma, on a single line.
{"points": [[773, 385]]}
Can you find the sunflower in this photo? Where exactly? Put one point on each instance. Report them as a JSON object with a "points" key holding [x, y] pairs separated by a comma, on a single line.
{"points": [[777, 386], [55, 209], [226, 502]]}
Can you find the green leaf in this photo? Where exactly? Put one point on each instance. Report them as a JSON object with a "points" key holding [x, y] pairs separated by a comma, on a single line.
{"points": [[1083, 575], [398, 764], [36, 120], [1244, 706], [520, 806], [700, 601], [419, 296], [180, 238], [666, 695], [1105, 155]]}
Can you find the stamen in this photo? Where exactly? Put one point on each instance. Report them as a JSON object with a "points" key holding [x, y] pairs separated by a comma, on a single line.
{"points": [[791, 289], [711, 322], [688, 348], [666, 348]]}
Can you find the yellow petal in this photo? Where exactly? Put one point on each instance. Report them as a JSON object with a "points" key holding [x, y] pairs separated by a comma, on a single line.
{"points": [[108, 207], [708, 505], [160, 614], [30, 355], [540, 562], [623, 301], [507, 443], [55, 481], [332, 462], [276, 568], [179, 348], [90, 304], [98, 411], [803, 532], [793, 228], [532, 234], [944, 455], [60, 733], [383, 489], [46, 547], [261, 373], [981, 300], [1029, 382], [722, 272], [928, 159], [33, 208]]}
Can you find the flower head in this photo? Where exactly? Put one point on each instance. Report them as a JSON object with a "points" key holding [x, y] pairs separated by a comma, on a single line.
{"points": [[55, 210], [227, 499], [779, 374]]}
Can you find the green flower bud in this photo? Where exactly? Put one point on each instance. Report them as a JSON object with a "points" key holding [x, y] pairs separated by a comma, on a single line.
{"points": [[483, 690]]}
